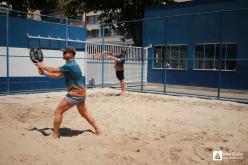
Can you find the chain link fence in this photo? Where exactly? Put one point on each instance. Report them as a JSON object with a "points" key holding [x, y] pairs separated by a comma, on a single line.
{"points": [[194, 54], [17, 72]]}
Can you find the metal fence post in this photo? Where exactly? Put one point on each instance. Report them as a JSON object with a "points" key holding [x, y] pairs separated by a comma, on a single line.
{"points": [[220, 57], [164, 59], [66, 31], [142, 69], [142, 58], [7, 50], [165, 76], [85, 65], [102, 29]]}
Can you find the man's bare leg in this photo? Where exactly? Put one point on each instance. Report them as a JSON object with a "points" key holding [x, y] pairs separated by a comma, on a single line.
{"points": [[82, 109], [123, 88], [62, 107]]}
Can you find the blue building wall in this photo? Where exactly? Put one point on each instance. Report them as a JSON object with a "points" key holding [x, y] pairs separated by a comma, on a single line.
{"points": [[18, 30], [25, 84], [177, 25]]}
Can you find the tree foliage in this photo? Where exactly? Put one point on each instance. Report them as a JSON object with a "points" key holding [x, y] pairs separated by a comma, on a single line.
{"points": [[115, 13], [25, 5]]}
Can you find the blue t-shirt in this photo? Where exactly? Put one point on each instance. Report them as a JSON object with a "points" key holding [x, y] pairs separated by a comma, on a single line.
{"points": [[122, 60], [72, 74]]}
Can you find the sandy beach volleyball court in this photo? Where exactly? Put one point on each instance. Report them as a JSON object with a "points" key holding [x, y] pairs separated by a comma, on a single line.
{"points": [[137, 129]]}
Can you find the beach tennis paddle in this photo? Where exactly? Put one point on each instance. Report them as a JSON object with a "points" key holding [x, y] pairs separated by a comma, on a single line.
{"points": [[36, 55]]}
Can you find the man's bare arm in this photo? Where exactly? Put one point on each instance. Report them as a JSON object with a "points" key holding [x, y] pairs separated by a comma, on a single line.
{"points": [[110, 55], [115, 59], [51, 69], [47, 68], [53, 75]]}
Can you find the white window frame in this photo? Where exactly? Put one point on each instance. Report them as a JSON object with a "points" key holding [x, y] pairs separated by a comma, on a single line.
{"points": [[97, 35], [162, 67], [212, 43], [153, 58]]}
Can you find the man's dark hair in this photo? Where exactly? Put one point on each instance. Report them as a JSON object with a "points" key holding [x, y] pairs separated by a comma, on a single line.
{"points": [[124, 51], [69, 49]]}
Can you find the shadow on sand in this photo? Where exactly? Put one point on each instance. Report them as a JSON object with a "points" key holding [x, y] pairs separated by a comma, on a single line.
{"points": [[64, 132], [112, 94]]}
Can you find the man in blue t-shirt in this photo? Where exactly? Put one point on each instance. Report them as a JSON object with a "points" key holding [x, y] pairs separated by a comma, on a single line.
{"points": [[119, 67], [76, 91]]}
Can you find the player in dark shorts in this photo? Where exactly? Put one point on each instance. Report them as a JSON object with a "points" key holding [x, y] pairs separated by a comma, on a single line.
{"points": [[119, 67], [76, 91]]}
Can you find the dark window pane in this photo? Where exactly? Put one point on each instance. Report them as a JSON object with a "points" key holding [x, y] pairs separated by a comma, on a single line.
{"points": [[93, 33], [183, 55], [96, 19], [230, 64], [209, 64], [209, 51], [158, 57], [174, 56], [174, 52], [90, 19], [107, 32], [231, 55], [199, 64], [199, 52], [231, 51], [223, 57], [171, 55], [167, 54], [199, 57], [210, 56], [182, 64], [217, 56], [174, 64], [183, 51]]}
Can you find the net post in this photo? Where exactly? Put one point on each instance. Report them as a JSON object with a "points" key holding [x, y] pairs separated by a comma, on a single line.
{"points": [[142, 69], [220, 56], [7, 50], [165, 72], [102, 49], [142, 58], [164, 59]]}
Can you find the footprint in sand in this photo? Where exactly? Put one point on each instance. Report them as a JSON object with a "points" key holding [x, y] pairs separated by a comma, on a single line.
{"points": [[157, 139], [229, 135], [135, 138], [162, 136], [198, 150], [208, 149], [174, 156], [224, 148]]}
